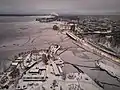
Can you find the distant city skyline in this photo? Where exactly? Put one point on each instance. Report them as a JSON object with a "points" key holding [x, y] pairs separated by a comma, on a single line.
{"points": [[59, 6]]}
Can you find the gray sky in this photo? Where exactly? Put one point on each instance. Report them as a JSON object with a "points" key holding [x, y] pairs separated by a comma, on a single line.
{"points": [[59, 6]]}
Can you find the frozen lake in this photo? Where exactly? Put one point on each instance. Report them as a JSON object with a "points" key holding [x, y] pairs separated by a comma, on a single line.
{"points": [[25, 34]]}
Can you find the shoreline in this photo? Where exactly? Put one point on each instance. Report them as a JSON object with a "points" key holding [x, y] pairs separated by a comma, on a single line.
{"points": [[95, 48]]}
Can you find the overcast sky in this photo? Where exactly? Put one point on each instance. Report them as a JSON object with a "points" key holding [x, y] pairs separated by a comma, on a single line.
{"points": [[59, 6]]}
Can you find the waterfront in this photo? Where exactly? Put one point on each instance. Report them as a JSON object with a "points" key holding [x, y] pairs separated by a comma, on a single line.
{"points": [[21, 36]]}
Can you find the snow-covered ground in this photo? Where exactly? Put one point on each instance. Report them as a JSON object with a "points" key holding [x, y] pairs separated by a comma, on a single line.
{"points": [[29, 35]]}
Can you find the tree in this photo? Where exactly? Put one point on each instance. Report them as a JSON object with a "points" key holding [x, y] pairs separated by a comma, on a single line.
{"points": [[55, 27]]}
